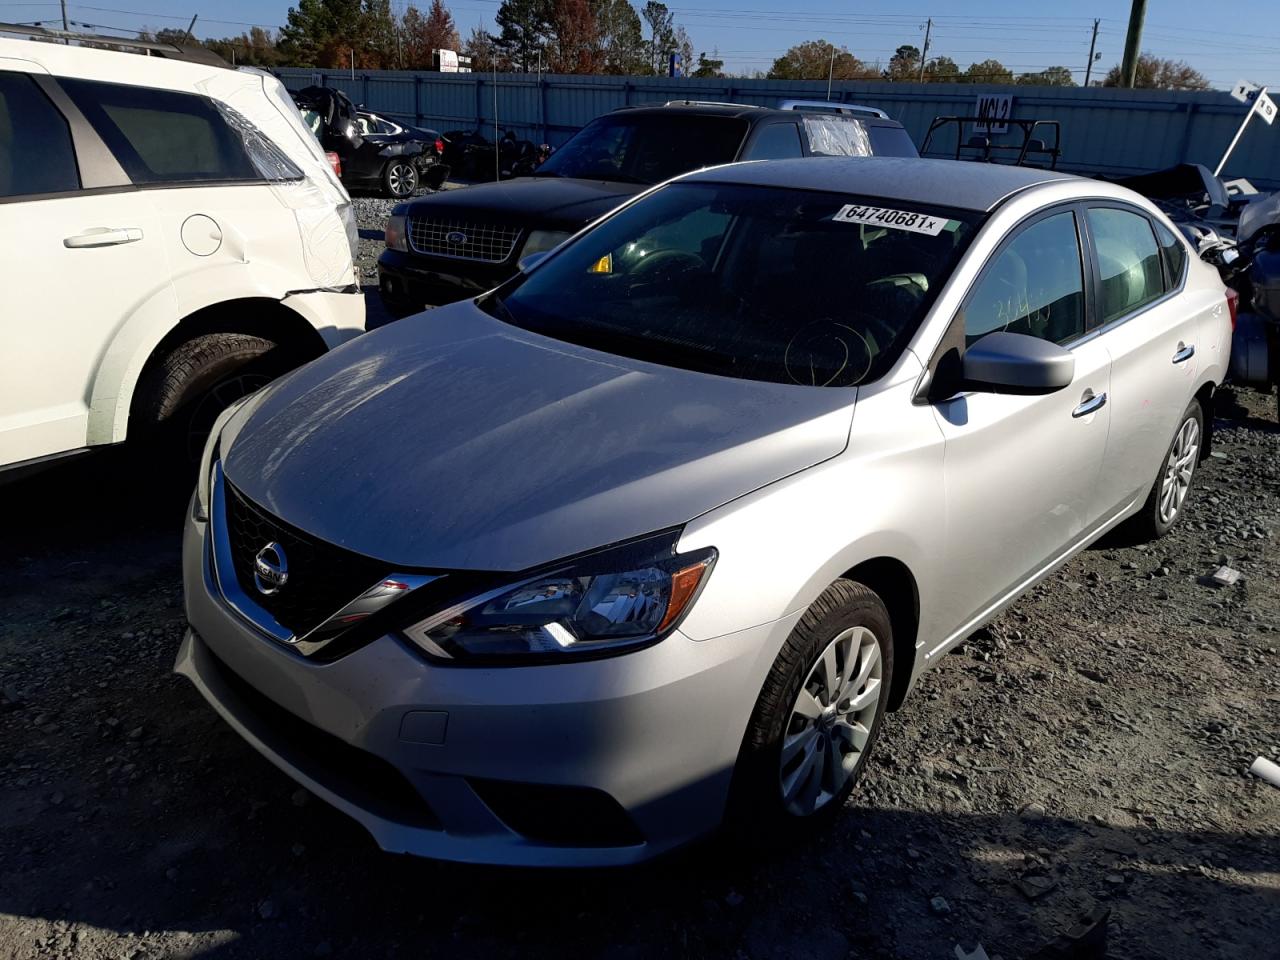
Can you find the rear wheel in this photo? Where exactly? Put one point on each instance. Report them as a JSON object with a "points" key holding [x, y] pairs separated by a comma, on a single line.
{"points": [[400, 179], [1169, 493], [185, 390], [818, 715]]}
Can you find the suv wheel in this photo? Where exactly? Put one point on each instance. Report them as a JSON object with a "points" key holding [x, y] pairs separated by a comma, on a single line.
{"points": [[400, 179], [183, 393], [1168, 494], [818, 715]]}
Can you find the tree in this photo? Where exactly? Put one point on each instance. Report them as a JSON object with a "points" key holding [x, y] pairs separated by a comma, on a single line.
{"points": [[812, 59], [942, 70], [1049, 77], [662, 34], [483, 50], [327, 33], [577, 38], [988, 71], [904, 64], [683, 45], [621, 37], [424, 34], [257, 48], [525, 31], [708, 67], [1155, 73]]}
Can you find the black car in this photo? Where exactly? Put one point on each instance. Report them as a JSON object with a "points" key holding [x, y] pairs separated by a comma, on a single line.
{"points": [[457, 244], [374, 151]]}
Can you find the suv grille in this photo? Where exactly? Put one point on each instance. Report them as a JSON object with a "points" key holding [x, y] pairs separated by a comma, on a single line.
{"points": [[462, 239], [322, 577]]}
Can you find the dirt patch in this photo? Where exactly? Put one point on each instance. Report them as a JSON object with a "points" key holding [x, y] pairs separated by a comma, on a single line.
{"points": [[1089, 747]]}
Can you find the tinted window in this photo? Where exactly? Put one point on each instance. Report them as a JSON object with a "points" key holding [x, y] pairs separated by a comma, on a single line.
{"points": [[1034, 286], [837, 136], [1175, 255], [1128, 259], [777, 141], [36, 155], [891, 141], [759, 283], [646, 148], [159, 136]]}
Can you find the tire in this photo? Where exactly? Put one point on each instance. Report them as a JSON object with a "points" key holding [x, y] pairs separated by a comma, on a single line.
{"points": [[399, 179], [1162, 510], [184, 391], [771, 796]]}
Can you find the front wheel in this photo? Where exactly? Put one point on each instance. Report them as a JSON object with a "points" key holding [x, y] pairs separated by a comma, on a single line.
{"points": [[400, 179], [1168, 494], [819, 713]]}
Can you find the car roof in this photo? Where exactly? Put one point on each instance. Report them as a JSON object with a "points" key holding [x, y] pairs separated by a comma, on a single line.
{"points": [[747, 111], [952, 183]]}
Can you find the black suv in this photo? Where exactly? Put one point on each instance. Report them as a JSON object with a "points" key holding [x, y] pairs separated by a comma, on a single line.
{"points": [[459, 243]]}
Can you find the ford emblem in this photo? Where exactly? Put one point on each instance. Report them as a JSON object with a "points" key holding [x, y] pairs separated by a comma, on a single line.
{"points": [[456, 237]]}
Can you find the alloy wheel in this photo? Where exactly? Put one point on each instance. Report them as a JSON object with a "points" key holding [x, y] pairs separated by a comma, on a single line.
{"points": [[402, 179], [1178, 470], [830, 723]]}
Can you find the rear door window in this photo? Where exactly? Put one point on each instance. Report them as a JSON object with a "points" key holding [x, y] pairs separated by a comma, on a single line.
{"points": [[889, 141], [1175, 256], [160, 136], [776, 141], [836, 136], [1128, 260], [36, 155]]}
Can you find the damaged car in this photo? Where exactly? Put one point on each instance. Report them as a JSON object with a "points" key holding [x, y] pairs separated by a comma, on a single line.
{"points": [[374, 152], [650, 538]]}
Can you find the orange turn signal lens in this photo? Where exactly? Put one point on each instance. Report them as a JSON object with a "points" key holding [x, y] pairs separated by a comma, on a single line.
{"points": [[684, 584], [603, 265]]}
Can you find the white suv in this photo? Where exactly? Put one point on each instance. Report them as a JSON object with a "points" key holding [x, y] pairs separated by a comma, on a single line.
{"points": [[172, 235]]}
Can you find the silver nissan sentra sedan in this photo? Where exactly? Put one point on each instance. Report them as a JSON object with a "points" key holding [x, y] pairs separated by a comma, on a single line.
{"points": [[649, 538]]}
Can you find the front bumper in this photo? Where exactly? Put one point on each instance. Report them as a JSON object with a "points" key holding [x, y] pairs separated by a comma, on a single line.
{"points": [[598, 763], [411, 282], [337, 315]]}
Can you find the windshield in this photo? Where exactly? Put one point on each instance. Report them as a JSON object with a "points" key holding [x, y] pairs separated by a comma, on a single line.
{"points": [[759, 283], [646, 148]]}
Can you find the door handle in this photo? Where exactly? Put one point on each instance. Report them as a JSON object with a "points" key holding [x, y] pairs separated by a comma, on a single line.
{"points": [[1090, 404], [103, 237], [1185, 352]]}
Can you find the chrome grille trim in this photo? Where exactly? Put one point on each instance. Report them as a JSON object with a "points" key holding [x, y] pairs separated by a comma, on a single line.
{"points": [[486, 242]]}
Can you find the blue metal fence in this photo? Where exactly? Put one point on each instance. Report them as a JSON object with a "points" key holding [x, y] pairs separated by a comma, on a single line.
{"points": [[1104, 130]]}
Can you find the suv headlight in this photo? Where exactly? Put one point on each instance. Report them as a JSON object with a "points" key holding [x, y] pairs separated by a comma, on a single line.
{"points": [[397, 232], [617, 599], [541, 241], [347, 214]]}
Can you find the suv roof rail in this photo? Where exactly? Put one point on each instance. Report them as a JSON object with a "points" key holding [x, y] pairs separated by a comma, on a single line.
{"points": [[170, 51], [832, 106], [711, 103]]}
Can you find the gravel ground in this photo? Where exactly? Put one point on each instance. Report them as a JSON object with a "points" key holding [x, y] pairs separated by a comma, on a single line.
{"points": [[1086, 750], [371, 216]]}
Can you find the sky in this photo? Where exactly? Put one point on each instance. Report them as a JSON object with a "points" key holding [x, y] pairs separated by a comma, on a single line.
{"points": [[1224, 41]]}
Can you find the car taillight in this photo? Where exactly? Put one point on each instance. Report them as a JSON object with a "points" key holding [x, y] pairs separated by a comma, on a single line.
{"points": [[1233, 304], [440, 146], [334, 161]]}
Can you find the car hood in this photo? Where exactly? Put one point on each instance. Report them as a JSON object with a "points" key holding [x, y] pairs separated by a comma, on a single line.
{"points": [[532, 201], [451, 440]]}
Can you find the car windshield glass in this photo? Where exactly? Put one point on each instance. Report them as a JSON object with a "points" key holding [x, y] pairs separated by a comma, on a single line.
{"points": [[646, 148], [759, 283]]}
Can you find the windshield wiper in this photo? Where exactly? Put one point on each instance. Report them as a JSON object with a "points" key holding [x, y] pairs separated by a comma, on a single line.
{"points": [[545, 173]]}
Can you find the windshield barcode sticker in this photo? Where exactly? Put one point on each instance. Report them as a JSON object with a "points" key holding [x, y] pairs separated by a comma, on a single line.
{"points": [[896, 219]]}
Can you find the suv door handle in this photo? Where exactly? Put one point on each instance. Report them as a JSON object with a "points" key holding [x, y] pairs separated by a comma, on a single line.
{"points": [[103, 237], [1185, 352], [1090, 404]]}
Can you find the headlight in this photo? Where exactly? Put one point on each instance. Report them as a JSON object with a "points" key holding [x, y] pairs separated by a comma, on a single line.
{"points": [[541, 241], [348, 215], [397, 233], [617, 599], [210, 454]]}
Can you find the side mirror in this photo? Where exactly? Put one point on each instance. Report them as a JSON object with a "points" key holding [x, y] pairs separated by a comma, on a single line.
{"points": [[1004, 362], [532, 260]]}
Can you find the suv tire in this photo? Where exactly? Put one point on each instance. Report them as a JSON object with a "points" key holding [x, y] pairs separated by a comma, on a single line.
{"points": [[1172, 486], [183, 393], [400, 179], [805, 748]]}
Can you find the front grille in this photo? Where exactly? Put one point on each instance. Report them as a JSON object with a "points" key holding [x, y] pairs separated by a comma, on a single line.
{"points": [[322, 577], [462, 239]]}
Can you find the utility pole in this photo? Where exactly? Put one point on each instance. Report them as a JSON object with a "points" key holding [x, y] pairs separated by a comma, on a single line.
{"points": [[831, 69], [353, 64], [192, 26], [924, 54], [65, 26], [1133, 43], [1092, 44]]}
